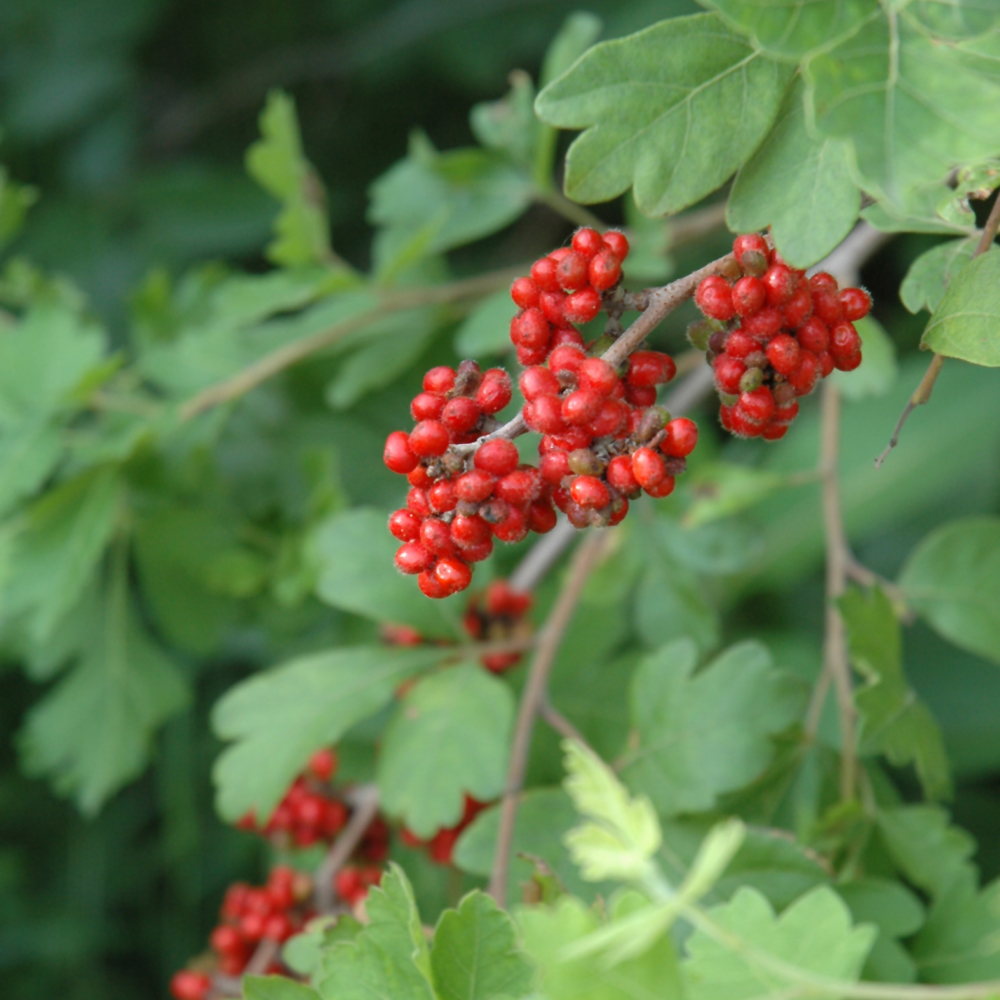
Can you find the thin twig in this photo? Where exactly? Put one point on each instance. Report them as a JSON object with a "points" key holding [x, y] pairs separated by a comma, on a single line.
{"points": [[364, 800], [554, 718], [569, 210], [585, 559], [922, 394]]}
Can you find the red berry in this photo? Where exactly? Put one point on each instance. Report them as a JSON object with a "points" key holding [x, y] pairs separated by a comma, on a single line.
{"points": [[442, 497], [469, 530], [612, 417], [641, 396], [435, 536], [279, 927], [571, 438], [742, 425], [419, 477], [598, 376], [739, 344], [427, 406], [728, 372], [714, 298], [404, 525], [621, 476], [335, 813], [497, 457], [440, 380], [398, 454], [252, 926], [803, 380], [541, 517], [784, 354], [681, 437], [648, 468], [772, 431], [590, 492], [477, 553], [524, 292], [413, 558], [474, 486], [538, 381], [572, 271], [646, 368], [322, 764], [531, 329], [749, 296], [605, 270], [799, 306], [779, 282], [543, 274], [441, 846], [844, 341], [453, 574], [544, 415], [494, 392], [460, 415], [552, 305], [513, 527], [430, 586], [813, 335], [750, 241], [581, 406], [519, 487], [826, 305], [188, 985], [617, 242], [765, 324], [226, 939], [582, 306], [822, 281], [566, 335], [528, 356], [429, 438], [587, 241], [758, 405], [416, 501], [554, 467], [856, 302], [848, 362], [566, 359], [662, 489]]}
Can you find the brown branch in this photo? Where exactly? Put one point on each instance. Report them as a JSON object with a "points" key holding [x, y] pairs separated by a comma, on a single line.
{"points": [[557, 721], [922, 394], [585, 559], [364, 800]]}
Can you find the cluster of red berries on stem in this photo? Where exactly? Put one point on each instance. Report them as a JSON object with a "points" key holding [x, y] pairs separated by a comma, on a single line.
{"points": [[441, 846], [772, 334], [497, 614], [603, 439]]}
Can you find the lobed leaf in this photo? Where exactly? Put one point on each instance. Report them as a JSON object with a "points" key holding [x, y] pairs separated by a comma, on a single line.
{"points": [[966, 323], [931, 273]]}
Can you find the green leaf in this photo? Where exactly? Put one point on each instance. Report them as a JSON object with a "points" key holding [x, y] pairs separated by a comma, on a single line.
{"points": [[931, 273], [966, 323], [389, 958], [912, 107], [792, 168], [897, 913], [722, 489], [894, 721], [277, 163], [931, 853], [952, 579], [278, 718], [357, 574], [672, 110], [92, 733], [475, 955], [579, 31], [976, 181], [486, 330], [547, 933], [705, 733], [509, 126], [29, 452], [622, 832], [56, 547], [449, 738], [814, 934], [792, 29], [919, 211], [276, 988], [432, 202]]}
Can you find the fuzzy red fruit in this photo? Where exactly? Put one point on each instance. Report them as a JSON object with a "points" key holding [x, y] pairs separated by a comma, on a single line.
{"points": [[779, 282], [620, 475], [757, 405], [544, 415], [513, 527], [494, 392], [524, 292], [641, 396], [427, 406], [799, 306], [822, 281], [804, 380], [474, 486], [188, 985], [398, 455], [680, 438], [572, 272], [553, 305], [739, 344], [605, 270], [323, 765], [612, 417], [581, 406], [404, 525], [554, 467], [582, 306], [650, 368], [826, 363], [528, 356], [566, 359], [429, 439], [419, 477], [541, 517], [617, 242], [538, 381], [749, 296], [662, 489], [728, 372], [226, 939], [714, 298], [441, 497], [749, 242], [430, 586], [531, 329], [497, 457], [413, 558], [440, 380], [543, 275], [469, 530], [519, 487], [844, 341], [848, 363], [279, 927], [453, 574], [335, 813], [856, 302], [773, 432], [435, 536], [826, 305], [587, 241], [598, 376], [765, 324], [784, 354], [648, 467], [571, 438], [590, 492], [813, 335], [566, 335], [460, 415], [742, 425]]}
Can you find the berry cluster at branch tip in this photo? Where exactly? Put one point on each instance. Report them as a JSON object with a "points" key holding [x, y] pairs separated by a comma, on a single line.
{"points": [[771, 334], [604, 440]]}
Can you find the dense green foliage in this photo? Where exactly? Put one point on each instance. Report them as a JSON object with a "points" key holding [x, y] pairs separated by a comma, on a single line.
{"points": [[201, 353]]}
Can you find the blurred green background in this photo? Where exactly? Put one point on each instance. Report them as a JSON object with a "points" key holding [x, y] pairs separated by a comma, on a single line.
{"points": [[132, 117]]}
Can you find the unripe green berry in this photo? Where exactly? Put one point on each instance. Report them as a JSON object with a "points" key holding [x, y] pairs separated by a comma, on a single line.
{"points": [[585, 463], [753, 378], [754, 263]]}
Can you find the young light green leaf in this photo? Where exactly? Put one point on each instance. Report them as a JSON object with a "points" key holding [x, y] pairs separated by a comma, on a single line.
{"points": [[792, 168], [548, 933], [389, 958], [486, 330], [705, 733], [912, 107], [277, 163], [92, 733], [672, 110], [357, 574], [622, 834], [793, 30], [475, 954], [931, 273], [449, 738], [894, 721], [713, 857], [276, 988], [813, 935], [952, 579], [973, 181], [277, 718], [966, 323], [723, 489]]}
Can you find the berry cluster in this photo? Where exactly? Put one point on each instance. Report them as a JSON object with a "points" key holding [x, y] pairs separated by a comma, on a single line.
{"points": [[603, 438], [442, 844], [495, 615], [352, 882], [776, 333]]}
